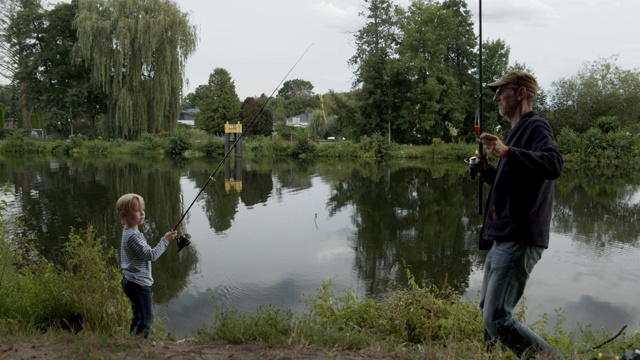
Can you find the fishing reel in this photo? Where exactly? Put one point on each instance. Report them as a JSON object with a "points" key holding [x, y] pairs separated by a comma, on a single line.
{"points": [[473, 166], [183, 241]]}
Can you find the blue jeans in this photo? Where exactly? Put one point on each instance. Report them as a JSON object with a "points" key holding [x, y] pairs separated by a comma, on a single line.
{"points": [[506, 272], [141, 307]]}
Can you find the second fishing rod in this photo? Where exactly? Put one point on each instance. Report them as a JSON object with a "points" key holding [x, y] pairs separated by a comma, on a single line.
{"points": [[185, 239]]}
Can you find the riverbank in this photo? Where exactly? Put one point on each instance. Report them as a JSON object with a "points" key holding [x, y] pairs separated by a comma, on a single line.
{"points": [[593, 147], [174, 350]]}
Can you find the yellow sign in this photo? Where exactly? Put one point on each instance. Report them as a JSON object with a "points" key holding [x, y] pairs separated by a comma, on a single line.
{"points": [[233, 128]]}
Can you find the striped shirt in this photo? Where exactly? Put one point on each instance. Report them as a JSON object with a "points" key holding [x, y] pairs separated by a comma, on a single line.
{"points": [[136, 256]]}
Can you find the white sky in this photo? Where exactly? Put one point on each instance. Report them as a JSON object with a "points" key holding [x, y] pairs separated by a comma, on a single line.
{"points": [[258, 41]]}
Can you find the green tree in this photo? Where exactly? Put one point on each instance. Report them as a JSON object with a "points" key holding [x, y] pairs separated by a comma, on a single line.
{"points": [[137, 51], [67, 85], [343, 109], [295, 97], [301, 104], [376, 44], [276, 107], [220, 103], [193, 100], [8, 9], [463, 61], [600, 89], [295, 87], [317, 128], [23, 36], [254, 121], [438, 51]]}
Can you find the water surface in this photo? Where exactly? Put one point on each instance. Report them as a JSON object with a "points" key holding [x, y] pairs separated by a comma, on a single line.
{"points": [[273, 231]]}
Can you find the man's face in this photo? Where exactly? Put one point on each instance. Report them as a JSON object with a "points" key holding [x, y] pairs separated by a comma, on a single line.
{"points": [[506, 98]]}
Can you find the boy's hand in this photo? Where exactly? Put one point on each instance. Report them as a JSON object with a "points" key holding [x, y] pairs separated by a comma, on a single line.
{"points": [[171, 235]]}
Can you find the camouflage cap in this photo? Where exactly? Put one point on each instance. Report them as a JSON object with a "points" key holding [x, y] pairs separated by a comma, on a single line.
{"points": [[516, 77]]}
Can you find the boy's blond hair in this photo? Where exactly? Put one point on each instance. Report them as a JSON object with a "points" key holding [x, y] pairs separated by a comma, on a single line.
{"points": [[126, 201]]}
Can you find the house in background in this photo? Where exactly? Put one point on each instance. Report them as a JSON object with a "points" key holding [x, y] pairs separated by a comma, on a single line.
{"points": [[188, 116], [301, 120]]}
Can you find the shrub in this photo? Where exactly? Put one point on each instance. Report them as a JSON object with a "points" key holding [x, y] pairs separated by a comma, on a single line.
{"points": [[96, 147], [148, 145], [85, 293], [374, 146], [179, 142], [337, 149], [18, 142], [94, 283], [210, 148], [302, 146], [61, 147]]}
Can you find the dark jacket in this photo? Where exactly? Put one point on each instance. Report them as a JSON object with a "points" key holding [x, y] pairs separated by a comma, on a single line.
{"points": [[520, 202]]}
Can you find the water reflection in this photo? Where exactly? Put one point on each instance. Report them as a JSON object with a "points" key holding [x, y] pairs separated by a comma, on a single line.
{"points": [[291, 225], [54, 195]]}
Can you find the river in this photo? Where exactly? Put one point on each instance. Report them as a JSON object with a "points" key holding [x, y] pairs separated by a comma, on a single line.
{"points": [[272, 231]]}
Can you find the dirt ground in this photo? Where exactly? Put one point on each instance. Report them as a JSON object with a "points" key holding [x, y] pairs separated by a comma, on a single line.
{"points": [[181, 350]]}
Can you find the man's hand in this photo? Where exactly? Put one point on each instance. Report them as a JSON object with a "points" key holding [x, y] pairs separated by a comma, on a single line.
{"points": [[494, 145], [483, 162]]}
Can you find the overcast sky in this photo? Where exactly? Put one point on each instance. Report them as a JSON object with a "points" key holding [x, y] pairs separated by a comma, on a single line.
{"points": [[258, 41]]}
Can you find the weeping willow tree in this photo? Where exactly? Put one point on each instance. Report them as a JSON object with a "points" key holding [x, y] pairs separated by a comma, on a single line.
{"points": [[136, 50]]}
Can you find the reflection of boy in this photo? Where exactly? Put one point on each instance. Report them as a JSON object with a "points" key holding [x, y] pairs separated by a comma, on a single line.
{"points": [[135, 259]]}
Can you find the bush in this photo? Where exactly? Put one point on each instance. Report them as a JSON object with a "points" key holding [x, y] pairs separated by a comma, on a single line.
{"points": [[149, 145], [179, 142], [302, 146], [337, 149], [94, 283], [18, 142], [61, 147], [96, 147], [374, 146], [210, 148], [85, 293]]}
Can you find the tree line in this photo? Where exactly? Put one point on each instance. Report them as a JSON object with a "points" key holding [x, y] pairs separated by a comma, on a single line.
{"points": [[106, 67], [114, 68]]}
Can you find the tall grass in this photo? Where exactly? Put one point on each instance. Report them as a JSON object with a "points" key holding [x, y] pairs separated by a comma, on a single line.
{"points": [[83, 294], [422, 321]]}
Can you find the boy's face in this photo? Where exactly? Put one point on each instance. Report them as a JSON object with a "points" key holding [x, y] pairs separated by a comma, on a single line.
{"points": [[134, 216]]}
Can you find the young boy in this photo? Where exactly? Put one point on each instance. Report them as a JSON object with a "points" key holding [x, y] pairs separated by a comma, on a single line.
{"points": [[135, 258]]}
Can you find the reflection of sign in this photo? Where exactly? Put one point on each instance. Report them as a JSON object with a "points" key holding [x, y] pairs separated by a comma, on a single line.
{"points": [[232, 184], [233, 175]]}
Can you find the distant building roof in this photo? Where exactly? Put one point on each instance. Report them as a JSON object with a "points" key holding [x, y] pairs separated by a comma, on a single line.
{"points": [[188, 114], [187, 122], [301, 120]]}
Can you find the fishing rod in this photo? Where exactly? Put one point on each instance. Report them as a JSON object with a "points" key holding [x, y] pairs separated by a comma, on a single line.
{"points": [[185, 239], [477, 122], [478, 128]]}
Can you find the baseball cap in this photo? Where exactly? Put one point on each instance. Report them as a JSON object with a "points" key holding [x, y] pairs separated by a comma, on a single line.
{"points": [[516, 77]]}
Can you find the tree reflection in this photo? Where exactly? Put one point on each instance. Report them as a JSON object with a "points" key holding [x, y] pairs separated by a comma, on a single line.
{"points": [[404, 214], [598, 206], [418, 217], [57, 194]]}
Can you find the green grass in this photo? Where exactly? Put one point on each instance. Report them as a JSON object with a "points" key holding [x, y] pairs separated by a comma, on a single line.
{"points": [[420, 321], [592, 147]]}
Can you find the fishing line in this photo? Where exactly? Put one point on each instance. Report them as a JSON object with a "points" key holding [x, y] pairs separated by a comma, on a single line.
{"points": [[249, 125]]}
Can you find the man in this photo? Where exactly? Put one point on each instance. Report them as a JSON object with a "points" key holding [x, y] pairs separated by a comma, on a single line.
{"points": [[518, 213]]}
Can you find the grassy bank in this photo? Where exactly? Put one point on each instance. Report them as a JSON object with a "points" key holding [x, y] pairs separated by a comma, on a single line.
{"points": [[591, 148]]}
